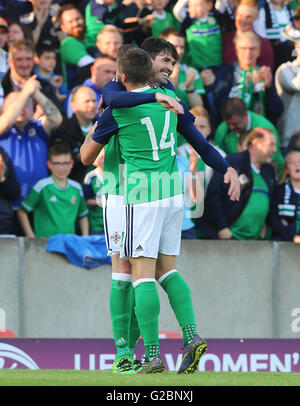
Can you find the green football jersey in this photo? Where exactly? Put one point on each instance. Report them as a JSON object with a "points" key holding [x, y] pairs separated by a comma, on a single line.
{"points": [[249, 224], [205, 45], [55, 209], [93, 26], [148, 142], [163, 21], [71, 51]]}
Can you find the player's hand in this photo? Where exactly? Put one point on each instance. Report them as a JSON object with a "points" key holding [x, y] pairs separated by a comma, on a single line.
{"points": [[169, 103], [234, 190], [296, 239], [225, 234]]}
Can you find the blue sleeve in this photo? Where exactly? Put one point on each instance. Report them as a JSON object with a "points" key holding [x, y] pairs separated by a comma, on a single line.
{"points": [[114, 95], [88, 191], [106, 127], [208, 153], [98, 10]]}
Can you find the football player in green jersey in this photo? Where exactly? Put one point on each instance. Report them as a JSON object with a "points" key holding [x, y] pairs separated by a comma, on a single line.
{"points": [[153, 224]]}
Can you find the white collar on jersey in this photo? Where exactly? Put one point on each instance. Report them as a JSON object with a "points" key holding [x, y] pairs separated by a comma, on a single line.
{"points": [[141, 89]]}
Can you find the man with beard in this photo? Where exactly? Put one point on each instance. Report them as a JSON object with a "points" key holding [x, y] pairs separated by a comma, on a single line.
{"points": [[74, 55]]}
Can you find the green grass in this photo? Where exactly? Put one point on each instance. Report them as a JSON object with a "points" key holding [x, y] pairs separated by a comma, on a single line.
{"points": [[26, 377]]}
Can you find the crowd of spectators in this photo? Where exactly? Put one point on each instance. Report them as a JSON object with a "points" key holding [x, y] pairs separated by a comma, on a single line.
{"points": [[238, 73]]}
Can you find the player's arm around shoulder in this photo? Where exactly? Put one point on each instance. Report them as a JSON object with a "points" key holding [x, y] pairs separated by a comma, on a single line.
{"points": [[169, 103], [90, 149], [98, 136]]}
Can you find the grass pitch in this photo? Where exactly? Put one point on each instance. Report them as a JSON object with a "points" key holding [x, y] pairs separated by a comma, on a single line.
{"points": [[26, 377]]}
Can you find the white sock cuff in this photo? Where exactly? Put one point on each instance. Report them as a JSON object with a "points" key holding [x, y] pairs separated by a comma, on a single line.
{"points": [[118, 276], [162, 278], [142, 280]]}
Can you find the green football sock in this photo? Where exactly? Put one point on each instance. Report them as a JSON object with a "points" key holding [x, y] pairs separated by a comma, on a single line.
{"points": [[147, 309], [180, 299], [120, 315], [134, 330]]}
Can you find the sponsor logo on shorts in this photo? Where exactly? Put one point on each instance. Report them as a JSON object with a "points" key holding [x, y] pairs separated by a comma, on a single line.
{"points": [[139, 248]]}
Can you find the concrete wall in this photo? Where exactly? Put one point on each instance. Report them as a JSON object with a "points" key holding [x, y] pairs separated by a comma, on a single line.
{"points": [[239, 290]]}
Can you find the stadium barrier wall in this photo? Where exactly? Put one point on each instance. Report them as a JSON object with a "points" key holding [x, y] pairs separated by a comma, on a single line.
{"points": [[240, 290]]}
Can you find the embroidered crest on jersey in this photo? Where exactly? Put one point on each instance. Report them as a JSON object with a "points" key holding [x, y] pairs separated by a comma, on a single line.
{"points": [[116, 237], [73, 200], [31, 132]]}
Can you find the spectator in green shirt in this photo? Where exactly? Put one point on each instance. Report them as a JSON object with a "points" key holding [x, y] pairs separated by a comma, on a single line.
{"points": [[247, 218], [74, 55], [56, 201], [238, 120]]}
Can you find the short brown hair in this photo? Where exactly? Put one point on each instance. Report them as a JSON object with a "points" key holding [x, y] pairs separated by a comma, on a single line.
{"points": [[257, 133], [156, 46], [65, 7], [59, 148], [135, 63], [171, 31], [21, 44], [233, 107]]}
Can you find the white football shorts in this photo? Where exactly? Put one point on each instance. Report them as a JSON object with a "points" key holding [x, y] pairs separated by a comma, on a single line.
{"points": [[113, 218], [152, 228]]}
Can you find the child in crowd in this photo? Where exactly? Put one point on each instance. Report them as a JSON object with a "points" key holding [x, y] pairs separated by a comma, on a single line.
{"points": [[292, 32], [163, 18], [203, 33], [285, 204], [56, 201], [45, 64], [92, 193], [273, 18]]}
